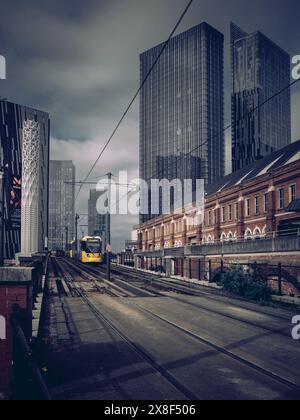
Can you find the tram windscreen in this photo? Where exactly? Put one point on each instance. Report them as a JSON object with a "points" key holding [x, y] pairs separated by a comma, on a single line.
{"points": [[93, 247]]}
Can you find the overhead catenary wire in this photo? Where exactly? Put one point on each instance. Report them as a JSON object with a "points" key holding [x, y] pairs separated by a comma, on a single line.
{"points": [[100, 183], [223, 131], [183, 155], [247, 114], [232, 125], [96, 178], [165, 45]]}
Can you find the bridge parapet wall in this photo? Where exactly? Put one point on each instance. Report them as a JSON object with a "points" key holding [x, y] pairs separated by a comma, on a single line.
{"points": [[277, 258]]}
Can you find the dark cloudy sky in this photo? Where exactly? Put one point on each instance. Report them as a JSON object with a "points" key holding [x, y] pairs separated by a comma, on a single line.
{"points": [[78, 60]]}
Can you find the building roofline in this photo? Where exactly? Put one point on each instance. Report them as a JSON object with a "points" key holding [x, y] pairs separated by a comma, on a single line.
{"points": [[286, 154], [261, 34], [182, 33], [278, 159], [25, 106]]}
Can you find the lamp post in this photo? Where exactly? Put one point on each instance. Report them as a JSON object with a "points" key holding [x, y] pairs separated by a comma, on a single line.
{"points": [[77, 217], [108, 233]]}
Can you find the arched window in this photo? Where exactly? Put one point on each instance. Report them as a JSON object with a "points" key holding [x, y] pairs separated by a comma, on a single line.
{"points": [[210, 239], [248, 234], [230, 237], [223, 237], [257, 233]]}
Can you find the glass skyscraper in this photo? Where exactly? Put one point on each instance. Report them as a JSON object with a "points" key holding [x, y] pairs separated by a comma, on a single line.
{"points": [[260, 69], [182, 110], [61, 204]]}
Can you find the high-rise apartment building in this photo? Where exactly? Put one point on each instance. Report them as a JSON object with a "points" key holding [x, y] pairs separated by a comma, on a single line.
{"points": [[182, 110], [24, 153], [260, 70], [61, 204]]}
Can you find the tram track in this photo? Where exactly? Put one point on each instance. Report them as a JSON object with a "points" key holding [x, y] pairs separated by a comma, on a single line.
{"points": [[223, 350], [193, 289], [125, 282], [187, 394], [117, 288]]}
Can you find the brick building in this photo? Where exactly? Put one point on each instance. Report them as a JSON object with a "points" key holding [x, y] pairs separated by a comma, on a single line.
{"points": [[252, 214], [253, 203]]}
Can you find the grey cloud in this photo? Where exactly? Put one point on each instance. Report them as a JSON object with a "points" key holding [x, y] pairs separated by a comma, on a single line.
{"points": [[79, 60]]}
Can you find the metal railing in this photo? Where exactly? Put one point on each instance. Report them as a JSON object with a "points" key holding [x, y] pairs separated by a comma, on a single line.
{"points": [[278, 244], [284, 241], [211, 270]]}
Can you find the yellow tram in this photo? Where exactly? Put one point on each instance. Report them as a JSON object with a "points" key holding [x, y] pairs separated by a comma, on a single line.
{"points": [[90, 250]]}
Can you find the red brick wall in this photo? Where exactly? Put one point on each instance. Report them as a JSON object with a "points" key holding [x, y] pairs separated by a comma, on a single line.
{"points": [[9, 295], [287, 288], [283, 177], [290, 263]]}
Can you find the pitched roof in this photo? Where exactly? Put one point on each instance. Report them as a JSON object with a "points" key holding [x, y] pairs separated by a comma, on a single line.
{"points": [[282, 157]]}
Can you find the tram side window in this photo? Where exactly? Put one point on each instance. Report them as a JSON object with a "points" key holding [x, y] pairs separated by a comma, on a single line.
{"points": [[83, 246]]}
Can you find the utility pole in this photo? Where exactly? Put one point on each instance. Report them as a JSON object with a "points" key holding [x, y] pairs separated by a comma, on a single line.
{"points": [[77, 217], [108, 233]]}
